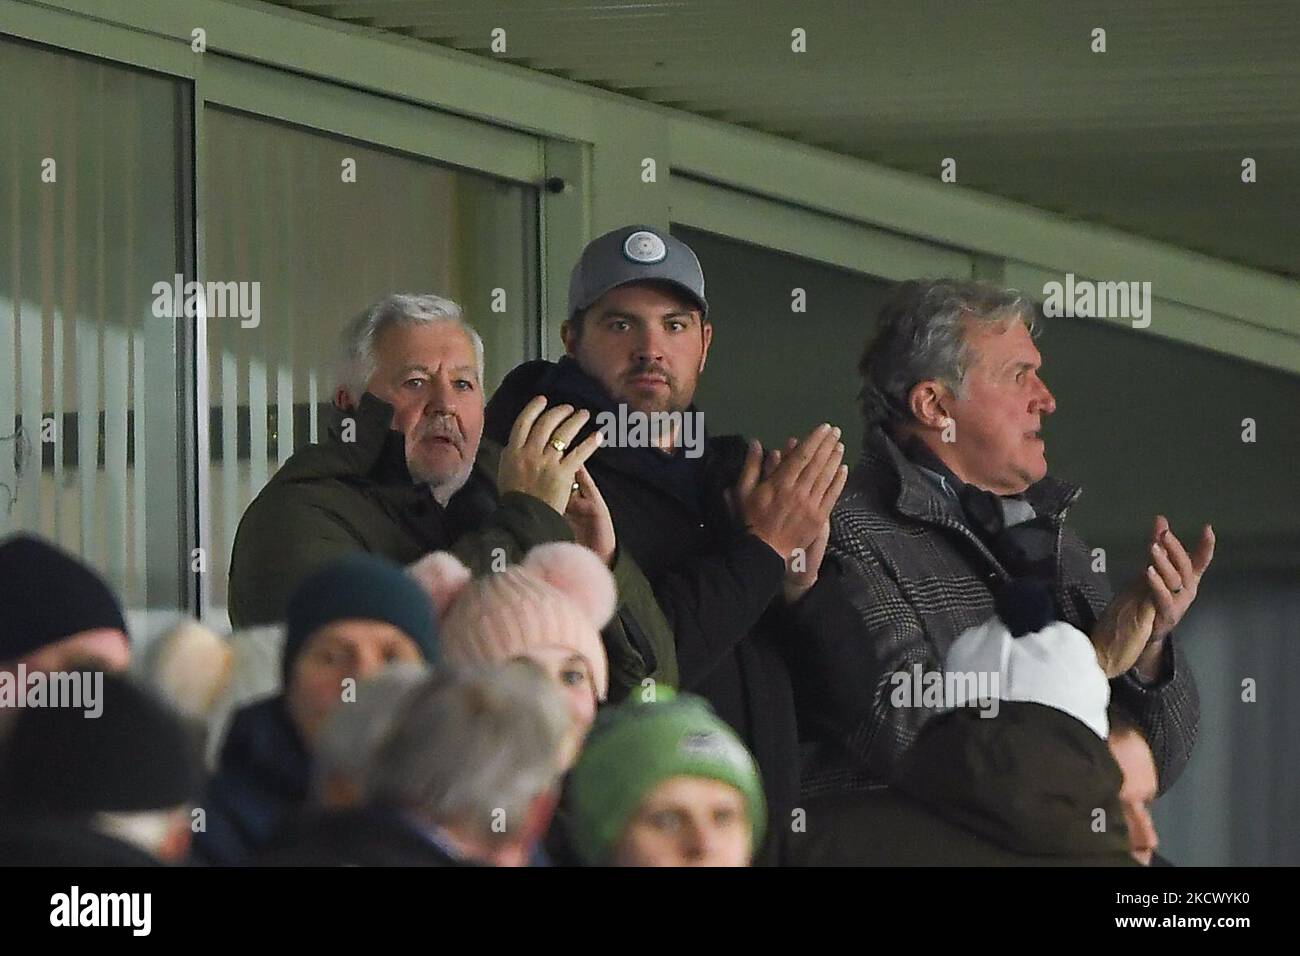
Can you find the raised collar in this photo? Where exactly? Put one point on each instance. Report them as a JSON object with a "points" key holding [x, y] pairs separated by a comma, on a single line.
{"points": [[374, 446], [919, 497]]}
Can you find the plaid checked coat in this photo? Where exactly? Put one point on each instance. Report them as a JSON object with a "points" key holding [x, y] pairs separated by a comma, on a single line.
{"points": [[919, 577]]}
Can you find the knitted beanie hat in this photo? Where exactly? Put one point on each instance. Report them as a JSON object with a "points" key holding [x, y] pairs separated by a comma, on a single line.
{"points": [[359, 586], [135, 755], [560, 595], [46, 595], [1055, 666], [636, 746]]}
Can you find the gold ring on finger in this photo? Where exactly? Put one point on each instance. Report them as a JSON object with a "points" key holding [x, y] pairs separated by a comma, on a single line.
{"points": [[559, 445]]}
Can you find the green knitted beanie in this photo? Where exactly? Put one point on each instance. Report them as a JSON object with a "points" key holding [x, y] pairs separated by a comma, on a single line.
{"points": [[634, 747]]}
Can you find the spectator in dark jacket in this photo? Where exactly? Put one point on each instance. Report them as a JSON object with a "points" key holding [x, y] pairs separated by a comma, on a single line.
{"points": [[342, 757], [406, 472], [731, 543], [1029, 781], [346, 622], [467, 776], [952, 502]]}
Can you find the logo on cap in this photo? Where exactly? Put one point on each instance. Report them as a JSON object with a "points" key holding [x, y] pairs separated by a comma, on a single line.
{"points": [[644, 247], [710, 745]]}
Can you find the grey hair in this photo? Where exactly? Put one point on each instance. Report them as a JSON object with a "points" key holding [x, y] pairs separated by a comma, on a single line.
{"points": [[357, 361], [474, 747], [351, 734], [922, 335]]}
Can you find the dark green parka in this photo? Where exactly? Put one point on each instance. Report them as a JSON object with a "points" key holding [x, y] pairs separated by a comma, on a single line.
{"points": [[340, 496], [1032, 786]]}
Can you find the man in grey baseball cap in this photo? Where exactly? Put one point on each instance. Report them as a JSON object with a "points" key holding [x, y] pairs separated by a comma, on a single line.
{"points": [[631, 273], [635, 254], [730, 540]]}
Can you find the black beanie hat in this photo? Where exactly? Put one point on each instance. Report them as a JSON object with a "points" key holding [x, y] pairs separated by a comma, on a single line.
{"points": [[363, 586], [136, 755], [46, 595]]}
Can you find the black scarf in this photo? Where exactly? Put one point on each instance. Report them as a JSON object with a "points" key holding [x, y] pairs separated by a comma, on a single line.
{"points": [[1027, 549], [566, 382]]}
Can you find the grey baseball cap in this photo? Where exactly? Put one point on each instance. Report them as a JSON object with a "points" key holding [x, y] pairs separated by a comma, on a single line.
{"points": [[635, 254]]}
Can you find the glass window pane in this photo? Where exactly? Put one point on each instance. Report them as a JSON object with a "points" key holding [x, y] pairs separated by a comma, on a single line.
{"points": [[324, 226], [781, 362], [88, 225]]}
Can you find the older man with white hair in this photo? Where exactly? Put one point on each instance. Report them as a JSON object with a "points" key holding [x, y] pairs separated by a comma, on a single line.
{"points": [[952, 505], [406, 472], [397, 475]]}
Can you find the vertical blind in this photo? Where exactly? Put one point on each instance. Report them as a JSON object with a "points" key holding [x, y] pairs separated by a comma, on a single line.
{"points": [[321, 247], [87, 202]]}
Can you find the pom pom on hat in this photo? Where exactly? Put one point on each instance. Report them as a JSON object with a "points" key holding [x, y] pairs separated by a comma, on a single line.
{"points": [[189, 667], [579, 575], [443, 578], [561, 595]]}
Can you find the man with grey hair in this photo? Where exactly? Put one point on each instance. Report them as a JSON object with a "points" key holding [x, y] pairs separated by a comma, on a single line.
{"points": [[349, 736], [952, 506], [467, 775], [394, 337], [404, 472]]}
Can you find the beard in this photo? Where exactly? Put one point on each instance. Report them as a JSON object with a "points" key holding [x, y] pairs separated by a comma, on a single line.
{"points": [[670, 400], [443, 489], [443, 479]]}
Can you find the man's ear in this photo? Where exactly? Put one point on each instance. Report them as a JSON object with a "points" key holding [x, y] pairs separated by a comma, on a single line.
{"points": [[342, 400], [929, 401], [706, 333], [569, 335]]}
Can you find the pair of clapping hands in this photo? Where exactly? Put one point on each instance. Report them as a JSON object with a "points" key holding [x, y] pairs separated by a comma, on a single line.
{"points": [[782, 497]]}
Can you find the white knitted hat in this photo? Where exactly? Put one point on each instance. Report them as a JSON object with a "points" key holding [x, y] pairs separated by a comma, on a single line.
{"points": [[1056, 666]]}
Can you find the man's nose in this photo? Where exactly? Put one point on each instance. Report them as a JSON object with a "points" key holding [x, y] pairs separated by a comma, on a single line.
{"points": [[692, 843], [649, 345], [1044, 401], [442, 396], [369, 662], [713, 839]]}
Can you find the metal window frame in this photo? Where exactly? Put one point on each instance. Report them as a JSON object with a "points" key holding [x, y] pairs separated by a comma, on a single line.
{"points": [[592, 144], [378, 121], [374, 121], [1211, 304], [811, 235]]}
